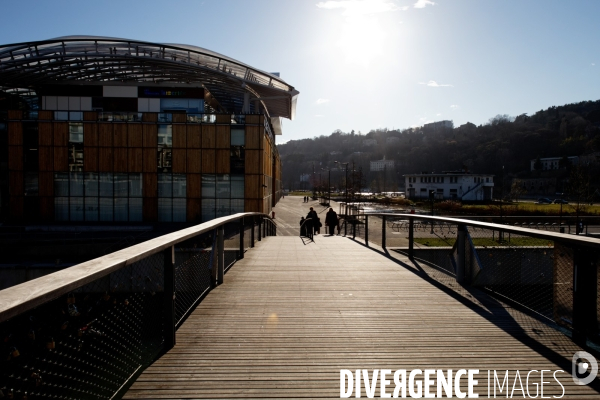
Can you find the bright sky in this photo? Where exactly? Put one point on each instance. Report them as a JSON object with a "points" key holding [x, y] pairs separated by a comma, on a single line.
{"points": [[361, 65]]}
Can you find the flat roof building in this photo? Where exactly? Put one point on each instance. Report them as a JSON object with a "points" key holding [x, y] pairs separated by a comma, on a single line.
{"points": [[450, 185], [108, 130]]}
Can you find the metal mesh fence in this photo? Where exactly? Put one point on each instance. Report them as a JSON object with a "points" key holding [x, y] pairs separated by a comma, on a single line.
{"points": [[232, 244]]}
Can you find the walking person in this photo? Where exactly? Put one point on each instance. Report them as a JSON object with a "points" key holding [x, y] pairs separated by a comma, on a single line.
{"points": [[313, 222], [331, 220]]}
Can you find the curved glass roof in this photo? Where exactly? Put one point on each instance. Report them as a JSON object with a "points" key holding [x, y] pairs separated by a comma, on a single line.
{"points": [[78, 59]]}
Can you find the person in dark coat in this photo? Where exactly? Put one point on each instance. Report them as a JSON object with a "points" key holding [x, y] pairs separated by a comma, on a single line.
{"points": [[312, 223], [331, 220], [303, 227]]}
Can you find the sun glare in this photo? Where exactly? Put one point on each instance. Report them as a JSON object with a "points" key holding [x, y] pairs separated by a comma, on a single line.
{"points": [[361, 40]]}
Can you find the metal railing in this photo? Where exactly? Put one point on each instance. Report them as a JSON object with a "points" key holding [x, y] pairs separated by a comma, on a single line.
{"points": [[85, 332], [554, 275]]}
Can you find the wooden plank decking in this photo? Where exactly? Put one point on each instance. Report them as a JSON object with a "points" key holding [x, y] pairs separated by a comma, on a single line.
{"points": [[291, 315]]}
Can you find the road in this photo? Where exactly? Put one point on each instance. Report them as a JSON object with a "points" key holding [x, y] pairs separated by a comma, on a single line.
{"points": [[289, 211]]}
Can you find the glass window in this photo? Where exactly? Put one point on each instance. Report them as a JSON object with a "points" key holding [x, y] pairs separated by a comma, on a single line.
{"points": [[75, 132], [91, 184], [164, 159], [76, 183], [91, 209], [222, 208], [121, 184], [208, 209], [238, 136], [179, 210], [208, 187], [61, 184], [61, 115], [165, 185], [179, 185], [106, 186], [75, 115], [165, 206], [31, 184], [135, 209], [223, 186], [237, 206], [76, 208], [237, 186], [135, 185], [61, 208], [165, 135], [120, 210], [106, 208]]}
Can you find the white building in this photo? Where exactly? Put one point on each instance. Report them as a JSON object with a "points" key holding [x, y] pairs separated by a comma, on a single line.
{"points": [[552, 162], [380, 165], [438, 126], [450, 185]]}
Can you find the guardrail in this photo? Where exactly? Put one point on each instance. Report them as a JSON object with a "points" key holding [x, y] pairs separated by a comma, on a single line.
{"points": [[553, 274], [85, 332]]}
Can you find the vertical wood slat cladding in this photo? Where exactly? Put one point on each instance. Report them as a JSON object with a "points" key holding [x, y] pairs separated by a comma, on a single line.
{"points": [[194, 158], [150, 184], [120, 159], [252, 161], [194, 186], [252, 119], [252, 137], [15, 114], [252, 205], [46, 158], [46, 184], [61, 158], [46, 115], [179, 136], [16, 187], [90, 134], [90, 116], [208, 136], [134, 135], [15, 206], [150, 117], [105, 135], [208, 161], [135, 160], [45, 134], [194, 210], [179, 161], [47, 208], [223, 162], [61, 133], [90, 159], [150, 209], [194, 136], [223, 119], [15, 158], [150, 135], [179, 117], [251, 188], [105, 159], [150, 163], [223, 137], [120, 135]]}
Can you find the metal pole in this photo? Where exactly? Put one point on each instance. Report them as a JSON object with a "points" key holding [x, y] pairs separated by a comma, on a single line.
{"points": [[242, 249], [383, 231], [411, 238], [259, 229], [367, 230], [252, 233], [460, 267], [220, 254], [329, 194], [169, 300], [584, 295]]}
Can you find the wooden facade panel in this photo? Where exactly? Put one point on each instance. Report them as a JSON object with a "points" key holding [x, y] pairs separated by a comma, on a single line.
{"points": [[253, 134], [45, 115], [90, 159], [208, 161], [134, 135], [252, 205], [120, 159], [223, 137], [90, 134], [193, 159], [150, 209], [252, 161], [179, 117], [61, 133], [208, 136], [150, 184], [223, 162], [46, 184], [223, 119], [15, 206], [15, 114], [105, 159], [150, 162], [178, 161], [150, 135], [149, 117], [45, 134], [61, 158], [194, 186], [16, 187], [194, 210], [105, 135], [194, 136], [47, 208], [120, 135], [251, 187], [15, 133], [90, 116], [135, 160], [15, 158], [46, 158], [179, 136], [252, 119]]}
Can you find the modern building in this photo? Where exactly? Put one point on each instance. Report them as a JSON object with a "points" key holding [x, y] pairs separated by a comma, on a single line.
{"points": [[382, 165], [106, 130], [438, 126], [450, 185], [552, 162]]}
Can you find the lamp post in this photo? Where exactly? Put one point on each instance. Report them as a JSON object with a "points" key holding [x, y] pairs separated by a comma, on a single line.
{"points": [[328, 183], [346, 193]]}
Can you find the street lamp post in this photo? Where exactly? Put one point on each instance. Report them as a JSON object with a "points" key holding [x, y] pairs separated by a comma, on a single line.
{"points": [[346, 193], [329, 183]]}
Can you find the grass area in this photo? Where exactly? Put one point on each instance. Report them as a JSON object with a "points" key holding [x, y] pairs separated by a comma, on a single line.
{"points": [[487, 242], [529, 209]]}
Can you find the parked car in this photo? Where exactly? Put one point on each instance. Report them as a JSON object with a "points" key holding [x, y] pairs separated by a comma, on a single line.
{"points": [[560, 201], [544, 200]]}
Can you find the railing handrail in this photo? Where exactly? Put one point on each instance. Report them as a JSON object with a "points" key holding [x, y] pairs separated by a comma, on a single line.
{"points": [[20, 298], [554, 236]]}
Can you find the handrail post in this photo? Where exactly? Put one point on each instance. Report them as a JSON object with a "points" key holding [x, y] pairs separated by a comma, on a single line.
{"points": [[411, 238], [383, 231], [169, 300], [354, 229], [460, 247], [366, 230], [252, 233], [260, 224], [585, 314], [220, 254], [242, 227]]}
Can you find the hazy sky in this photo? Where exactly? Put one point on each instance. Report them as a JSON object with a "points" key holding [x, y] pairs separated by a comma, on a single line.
{"points": [[361, 65]]}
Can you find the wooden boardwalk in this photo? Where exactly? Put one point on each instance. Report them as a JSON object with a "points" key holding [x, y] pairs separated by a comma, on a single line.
{"points": [[292, 314]]}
